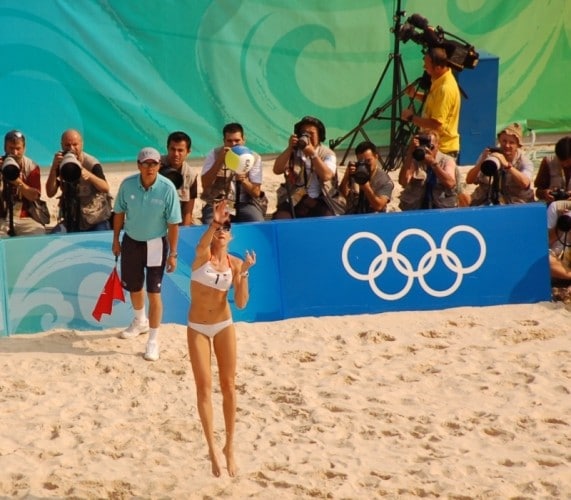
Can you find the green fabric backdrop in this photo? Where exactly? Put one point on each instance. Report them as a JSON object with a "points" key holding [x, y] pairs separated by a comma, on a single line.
{"points": [[127, 73]]}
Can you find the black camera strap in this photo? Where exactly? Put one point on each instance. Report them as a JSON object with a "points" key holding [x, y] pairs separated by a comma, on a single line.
{"points": [[429, 186], [291, 179]]}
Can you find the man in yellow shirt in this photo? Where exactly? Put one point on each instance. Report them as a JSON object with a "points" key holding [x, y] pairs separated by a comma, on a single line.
{"points": [[441, 111]]}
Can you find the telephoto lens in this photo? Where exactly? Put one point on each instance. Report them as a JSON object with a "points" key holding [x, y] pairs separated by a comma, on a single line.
{"points": [[173, 175], [69, 168], [362, 172], [564, 222], [303, 141], [424, 143], [490, 166], [10, 169]]}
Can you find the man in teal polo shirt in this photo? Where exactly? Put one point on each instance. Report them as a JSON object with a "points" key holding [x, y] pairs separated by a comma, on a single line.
{"points": [[147, 208]]}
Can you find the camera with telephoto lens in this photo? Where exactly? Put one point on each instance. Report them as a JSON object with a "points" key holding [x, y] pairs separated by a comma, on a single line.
{"points": [[564, 222], [490, 165], [10, 168], [69, 168], [303, 140], [173, 175], [362, 173], [424, 143], [559, 194]]}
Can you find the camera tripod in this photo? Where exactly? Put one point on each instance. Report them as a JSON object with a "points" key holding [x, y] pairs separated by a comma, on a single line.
{"points": [[398, 130], [493, 196], [361, 203]]}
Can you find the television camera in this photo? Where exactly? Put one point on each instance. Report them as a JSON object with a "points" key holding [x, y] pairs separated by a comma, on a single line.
{"points": [[460, 54]]}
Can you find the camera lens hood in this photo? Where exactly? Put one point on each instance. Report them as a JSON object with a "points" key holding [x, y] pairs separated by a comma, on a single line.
{"points": [[70, 169], [490, 166], [10, 169], [173, 175]]}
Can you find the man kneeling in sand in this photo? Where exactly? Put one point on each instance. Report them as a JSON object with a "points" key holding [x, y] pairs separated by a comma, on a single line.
{"points": [[559, 232]]}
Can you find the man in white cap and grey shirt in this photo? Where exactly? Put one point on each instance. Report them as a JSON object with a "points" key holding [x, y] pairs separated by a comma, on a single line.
{"points": [[147, 209]]}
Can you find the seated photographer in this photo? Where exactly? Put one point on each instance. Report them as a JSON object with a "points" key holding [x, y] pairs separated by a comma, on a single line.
{"points": [[20, 186], [85, 204], [219, 182], [428, 176], [366, 187], [558, 226], [553, 179], [310, 170], [185, 179], [502, 174]]}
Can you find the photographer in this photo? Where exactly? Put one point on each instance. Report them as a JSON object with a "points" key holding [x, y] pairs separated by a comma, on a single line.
{"points": [[219, 182], [88, 188], [310, 169], [175, 167], [502, 174], [428, 176], [553, 179], [441, 110], [366, 187], [558, 227], [20, 186]]}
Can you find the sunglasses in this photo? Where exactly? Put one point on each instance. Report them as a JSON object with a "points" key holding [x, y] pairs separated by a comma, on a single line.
{"points": [[225, 228], [149, 164]]}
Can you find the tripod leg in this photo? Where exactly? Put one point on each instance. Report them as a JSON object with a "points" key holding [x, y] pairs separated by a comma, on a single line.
{"points": [[399, 75], [398, 147], [363, 120], [396, 108], [402, 133]]}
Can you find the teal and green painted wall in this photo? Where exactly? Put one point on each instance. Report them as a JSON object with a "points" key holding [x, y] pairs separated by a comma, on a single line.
{"points": [[127, 73]]}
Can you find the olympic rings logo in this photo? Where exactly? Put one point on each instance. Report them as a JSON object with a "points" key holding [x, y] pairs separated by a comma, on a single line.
{"points": [[425, 264]]}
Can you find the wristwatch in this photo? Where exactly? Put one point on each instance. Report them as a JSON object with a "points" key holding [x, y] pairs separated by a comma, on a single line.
{"points": [[175, 255]]}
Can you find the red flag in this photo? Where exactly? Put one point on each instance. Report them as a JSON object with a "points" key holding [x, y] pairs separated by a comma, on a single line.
{"points": [[111, 291]]}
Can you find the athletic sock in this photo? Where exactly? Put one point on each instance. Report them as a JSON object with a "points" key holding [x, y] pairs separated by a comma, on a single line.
{"points": [[140, 315], [153, 334]]}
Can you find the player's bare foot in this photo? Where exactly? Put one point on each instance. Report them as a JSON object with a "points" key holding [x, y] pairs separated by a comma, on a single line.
{"points": [[216, 469], [230, 462]]}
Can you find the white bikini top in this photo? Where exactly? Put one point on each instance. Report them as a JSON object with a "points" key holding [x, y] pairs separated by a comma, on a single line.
{"points": [[208, 276]]}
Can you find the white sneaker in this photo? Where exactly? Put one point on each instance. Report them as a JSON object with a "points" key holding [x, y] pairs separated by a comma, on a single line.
{"points": [[135, 329], [152, 351]]}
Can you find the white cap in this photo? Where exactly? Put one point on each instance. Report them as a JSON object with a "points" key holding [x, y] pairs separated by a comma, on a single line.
{"points": [[147, 154]]}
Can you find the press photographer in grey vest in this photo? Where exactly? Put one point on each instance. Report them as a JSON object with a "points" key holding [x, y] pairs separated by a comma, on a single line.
{"points": [[85, 204], [428, 176], [20, 188], [243, 191], [310, 187], [553, 179], [365, 185]]}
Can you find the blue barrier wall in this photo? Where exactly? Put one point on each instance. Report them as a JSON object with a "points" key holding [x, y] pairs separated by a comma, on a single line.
{"points": [[422, 260], [478, 114]]}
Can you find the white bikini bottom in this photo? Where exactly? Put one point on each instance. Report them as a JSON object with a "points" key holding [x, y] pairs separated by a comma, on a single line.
{"points": [[210, 330]]}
